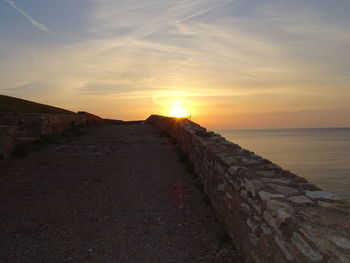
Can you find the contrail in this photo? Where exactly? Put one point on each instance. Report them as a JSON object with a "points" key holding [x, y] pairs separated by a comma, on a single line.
{"points": [[32, 20]]}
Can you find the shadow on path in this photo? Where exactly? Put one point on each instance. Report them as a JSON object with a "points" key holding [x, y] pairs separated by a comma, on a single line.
{"points": [[117, 194]]}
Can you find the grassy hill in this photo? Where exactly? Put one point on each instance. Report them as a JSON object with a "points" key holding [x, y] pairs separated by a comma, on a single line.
{"points": [[11, 104]]}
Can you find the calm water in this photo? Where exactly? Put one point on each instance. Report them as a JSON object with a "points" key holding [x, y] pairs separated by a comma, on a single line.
{"points": [[322, 156]]}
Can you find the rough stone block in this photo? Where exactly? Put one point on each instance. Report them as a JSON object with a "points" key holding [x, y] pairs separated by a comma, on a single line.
{"points": [[321, 195], [253, 185], [340, 241], [301, 199], [272, 222], [284, 224], [266, 173], [276, 180], [289, 256], [253, 239], [252, 225], [266, 195], [233, 170], [245, 207], [279, 209], [221, 187], [305, 248], [283, 189], [265, 229]]}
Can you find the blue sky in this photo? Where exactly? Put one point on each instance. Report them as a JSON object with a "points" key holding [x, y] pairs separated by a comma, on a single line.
{"points": [[234, 63]]}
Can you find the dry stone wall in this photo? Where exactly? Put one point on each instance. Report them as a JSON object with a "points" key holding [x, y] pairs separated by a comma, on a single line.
{"points": [[271, 214], [8, 140], [16, 127], [33, 125], [90, 119]]}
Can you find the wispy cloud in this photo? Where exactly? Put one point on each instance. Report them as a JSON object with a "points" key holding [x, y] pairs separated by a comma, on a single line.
{"points": [[34, 22], [241, 55]]}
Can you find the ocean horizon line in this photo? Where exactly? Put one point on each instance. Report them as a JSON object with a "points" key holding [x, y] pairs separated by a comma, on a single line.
{"points": [[280, 129]]}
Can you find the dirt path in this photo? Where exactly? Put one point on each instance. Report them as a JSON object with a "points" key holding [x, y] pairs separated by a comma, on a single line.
{"points": [[117, 194]]}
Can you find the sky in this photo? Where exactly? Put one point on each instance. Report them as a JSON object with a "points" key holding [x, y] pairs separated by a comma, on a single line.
{"points": [[230, 63]]}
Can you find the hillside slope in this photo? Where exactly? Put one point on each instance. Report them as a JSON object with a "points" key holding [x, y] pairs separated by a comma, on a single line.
{"points": [[11, 104]]}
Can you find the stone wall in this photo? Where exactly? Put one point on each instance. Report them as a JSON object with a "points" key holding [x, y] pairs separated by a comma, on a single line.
{"points": [[8, 140], [90, 119], [33, 125], [29, 126], [271, 214]]}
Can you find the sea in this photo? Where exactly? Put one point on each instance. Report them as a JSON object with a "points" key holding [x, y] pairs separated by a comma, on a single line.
{"points": [[321, 155]]}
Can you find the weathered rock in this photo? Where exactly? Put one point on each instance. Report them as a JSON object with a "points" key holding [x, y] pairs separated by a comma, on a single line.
{"points": [[256, 205], [327, 245], [321, 195], [284, 249], [340, 242], [266, 195], [229, 160], [301, 199], [265, 229], [253, 239], [266, 173], [251, 161], [305, 248], [229, 196], [244, 194], [271, 222], [221, 187], [274, 203], [283, 189], [338, 205], [255, 257], [233, 170], [251, 224], [276, 180], [245, 207], [279, 209], [218, 168], [253, 185]]}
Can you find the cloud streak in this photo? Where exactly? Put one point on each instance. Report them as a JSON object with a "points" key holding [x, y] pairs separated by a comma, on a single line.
{"points": [[228, 56], [34, 22]]}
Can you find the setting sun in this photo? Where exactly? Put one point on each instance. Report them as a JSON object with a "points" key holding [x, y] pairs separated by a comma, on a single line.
{"points": [[178, 111]]}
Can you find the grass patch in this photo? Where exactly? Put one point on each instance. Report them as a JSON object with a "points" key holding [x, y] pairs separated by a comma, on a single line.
{"points": [[224, 238], [16, 105]]}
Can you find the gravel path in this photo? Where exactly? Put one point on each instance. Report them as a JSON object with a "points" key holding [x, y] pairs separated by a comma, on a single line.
{"points": [[116, 194]]}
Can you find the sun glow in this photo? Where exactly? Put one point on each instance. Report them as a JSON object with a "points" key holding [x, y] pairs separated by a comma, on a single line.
{"points": [[178, 111]]}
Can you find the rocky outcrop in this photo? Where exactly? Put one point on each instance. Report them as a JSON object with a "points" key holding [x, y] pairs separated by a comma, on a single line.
{"points": [[271, 214]]}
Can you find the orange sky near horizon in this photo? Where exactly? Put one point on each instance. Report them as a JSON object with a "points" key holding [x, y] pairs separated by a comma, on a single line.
{"points": [[218, 113], [230, 63]]}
